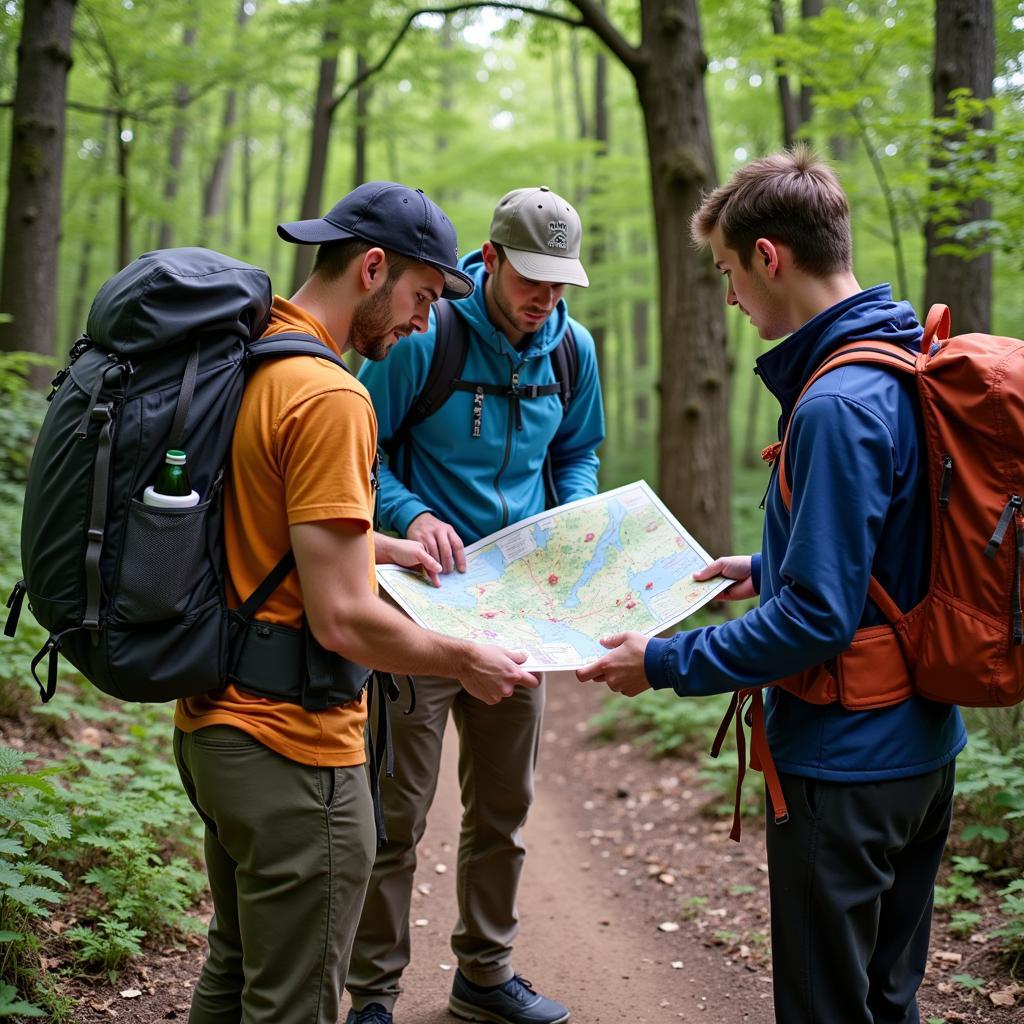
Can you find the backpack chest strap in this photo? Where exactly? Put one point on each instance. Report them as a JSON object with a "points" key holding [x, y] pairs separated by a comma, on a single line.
{"points": [[513, 391]]}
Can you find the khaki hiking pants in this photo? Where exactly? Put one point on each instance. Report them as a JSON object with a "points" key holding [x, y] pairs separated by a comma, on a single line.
{"points": [[497, 754], [288, 852]]}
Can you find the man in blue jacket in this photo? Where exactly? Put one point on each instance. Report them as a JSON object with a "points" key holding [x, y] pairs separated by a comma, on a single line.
{"points": [[869, 793], [489, 456]]}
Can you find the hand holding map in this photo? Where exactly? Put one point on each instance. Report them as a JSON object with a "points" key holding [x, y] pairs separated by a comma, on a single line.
{"points": [[555, 583]]}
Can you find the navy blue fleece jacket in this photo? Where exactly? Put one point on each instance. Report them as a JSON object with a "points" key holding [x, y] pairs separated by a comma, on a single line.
{"points": [[856, 464]]}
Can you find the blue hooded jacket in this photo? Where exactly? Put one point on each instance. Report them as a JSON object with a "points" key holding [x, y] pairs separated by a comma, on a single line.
{"points": [[855, 462], [482, 484]]}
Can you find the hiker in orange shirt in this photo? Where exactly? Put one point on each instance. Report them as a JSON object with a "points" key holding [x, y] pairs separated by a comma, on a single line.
{"points": [[280, 782]]}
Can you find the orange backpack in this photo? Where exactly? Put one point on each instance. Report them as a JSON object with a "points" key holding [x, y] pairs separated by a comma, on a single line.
{"points": [[963, 643]]}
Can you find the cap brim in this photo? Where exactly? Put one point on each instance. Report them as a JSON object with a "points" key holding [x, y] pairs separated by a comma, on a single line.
{"points": [[457, 285], [313, 232], [317, 232], [552, 269]]}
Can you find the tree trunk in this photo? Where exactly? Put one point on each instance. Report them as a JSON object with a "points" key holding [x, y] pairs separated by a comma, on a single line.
{"points": [[560, 117], [359, 129], [81, 294], [215, 193], [182, 98], [641, 348], [964, 59], [248, 176], [598, 239], [323, 115], [808, 9], [280, 181], [124, 227], [787, 101], [28, 288], [446, 101], [693, 442]]}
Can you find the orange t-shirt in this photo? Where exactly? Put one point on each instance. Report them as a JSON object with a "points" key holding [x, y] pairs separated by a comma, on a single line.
{"points": [[303, 447]]}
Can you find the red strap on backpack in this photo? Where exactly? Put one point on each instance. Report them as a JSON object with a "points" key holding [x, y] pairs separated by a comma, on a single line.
{"points": [[760, 755]]}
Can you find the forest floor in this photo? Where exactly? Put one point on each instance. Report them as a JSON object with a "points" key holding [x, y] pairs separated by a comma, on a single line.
{"points": [[634, 906]]}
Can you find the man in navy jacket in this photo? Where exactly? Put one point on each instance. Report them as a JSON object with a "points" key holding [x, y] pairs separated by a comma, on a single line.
{"points": [[869, 793]]}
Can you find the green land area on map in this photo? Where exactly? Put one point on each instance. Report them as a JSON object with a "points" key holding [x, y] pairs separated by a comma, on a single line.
{"points": [[554, 584]]}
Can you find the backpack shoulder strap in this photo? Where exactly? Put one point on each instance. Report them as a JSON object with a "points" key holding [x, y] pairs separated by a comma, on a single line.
{"points": [[565, 361], [878, 353], [292, 343], [451, 347]]}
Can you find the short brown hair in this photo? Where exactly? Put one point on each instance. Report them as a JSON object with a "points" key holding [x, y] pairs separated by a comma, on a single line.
{"points": [[793, 198], [333, 258]]}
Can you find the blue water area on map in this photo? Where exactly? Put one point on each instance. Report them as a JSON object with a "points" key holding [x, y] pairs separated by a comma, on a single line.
{"points": [[664, 574], [541, 536], [610, 537], [559, 633], [457, 586]]}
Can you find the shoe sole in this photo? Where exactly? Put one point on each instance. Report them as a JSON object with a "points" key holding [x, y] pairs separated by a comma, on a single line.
{"points": [[466, 1011]]}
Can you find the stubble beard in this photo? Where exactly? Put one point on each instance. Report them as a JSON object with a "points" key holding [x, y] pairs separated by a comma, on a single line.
{"points": [[372, 324], [522, 325]]}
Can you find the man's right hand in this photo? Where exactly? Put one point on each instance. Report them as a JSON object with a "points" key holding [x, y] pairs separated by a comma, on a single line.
{"points": [[440, 540], [732, 567], [491, 673]]}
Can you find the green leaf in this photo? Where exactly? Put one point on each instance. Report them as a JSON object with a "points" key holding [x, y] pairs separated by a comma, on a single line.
{"points": [[11, 1005], [969, 981]]}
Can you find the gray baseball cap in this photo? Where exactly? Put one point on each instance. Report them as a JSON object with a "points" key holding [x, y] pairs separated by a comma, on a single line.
{"points": [[540, 233]]}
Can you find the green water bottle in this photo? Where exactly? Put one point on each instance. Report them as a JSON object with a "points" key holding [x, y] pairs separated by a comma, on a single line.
{"points": [[172, 488]]}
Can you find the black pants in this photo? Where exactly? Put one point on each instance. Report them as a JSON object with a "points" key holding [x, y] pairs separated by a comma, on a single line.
{"points": [[852, 875]]}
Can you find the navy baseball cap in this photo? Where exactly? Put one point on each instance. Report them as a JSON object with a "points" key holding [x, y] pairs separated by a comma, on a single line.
{"points": [[393, 217]]}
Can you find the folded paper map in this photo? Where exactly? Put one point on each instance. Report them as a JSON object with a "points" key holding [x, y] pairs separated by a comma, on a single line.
{"points": [[552, 585]]}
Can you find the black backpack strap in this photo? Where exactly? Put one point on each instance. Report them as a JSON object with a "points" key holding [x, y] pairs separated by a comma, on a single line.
{"points": [[292, 343], [565, 361], [188, 387], [451, 346], [102, 412]]}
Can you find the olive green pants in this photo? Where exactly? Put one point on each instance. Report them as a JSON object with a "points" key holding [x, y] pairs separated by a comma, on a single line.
{"points": [[497, 754], [288, 853]]}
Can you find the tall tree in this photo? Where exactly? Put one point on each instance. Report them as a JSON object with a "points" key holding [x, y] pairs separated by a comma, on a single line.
{"points": [[28, 289], [668, 69], [788, 102], [323, 114], [215, 192], [964, 59], [176, 149]]}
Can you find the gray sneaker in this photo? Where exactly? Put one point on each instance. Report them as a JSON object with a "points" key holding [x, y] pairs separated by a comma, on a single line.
{"points": [[372, 1013], [514, 1002]]}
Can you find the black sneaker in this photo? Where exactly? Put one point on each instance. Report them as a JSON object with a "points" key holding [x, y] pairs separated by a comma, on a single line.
{"points": [[514, 1002], [372, 1013]]}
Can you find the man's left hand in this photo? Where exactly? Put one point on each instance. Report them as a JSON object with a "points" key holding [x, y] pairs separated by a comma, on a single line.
{"points": [[412, 555], [622, 670]]}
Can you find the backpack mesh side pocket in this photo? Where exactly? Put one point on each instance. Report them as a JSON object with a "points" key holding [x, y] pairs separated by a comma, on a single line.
{"points": [[165, 558]]}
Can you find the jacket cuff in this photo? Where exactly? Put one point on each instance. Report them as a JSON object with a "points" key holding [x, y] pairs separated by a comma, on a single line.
{"points": [[402, 517], [755, 572], [654, 657]]}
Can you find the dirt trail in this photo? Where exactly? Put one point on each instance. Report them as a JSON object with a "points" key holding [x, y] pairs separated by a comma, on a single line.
{"points": [[584, 938]]}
